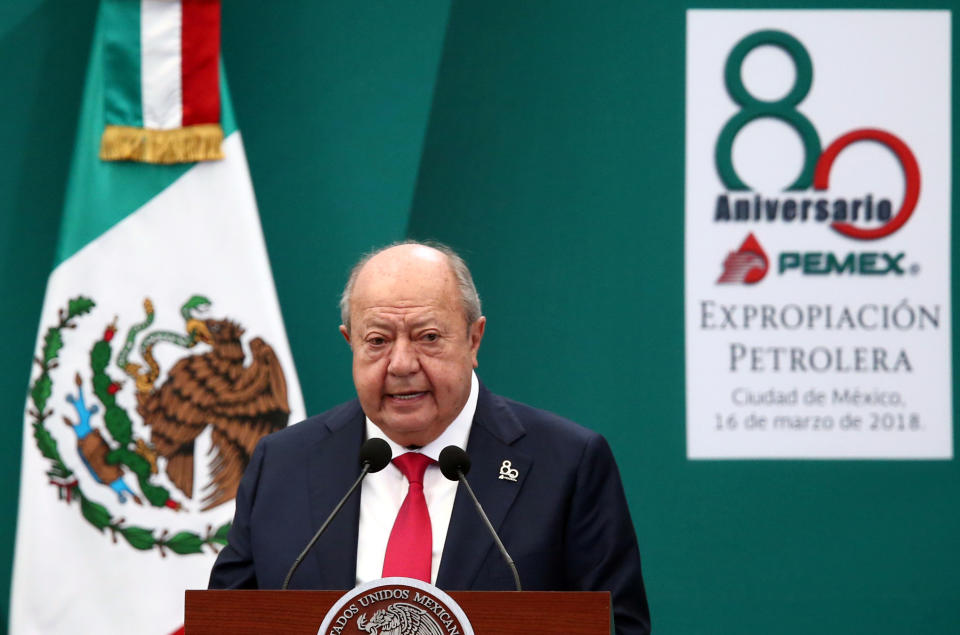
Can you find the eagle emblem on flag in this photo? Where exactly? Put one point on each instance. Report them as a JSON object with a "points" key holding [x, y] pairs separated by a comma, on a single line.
{"points": [[179, 384]]}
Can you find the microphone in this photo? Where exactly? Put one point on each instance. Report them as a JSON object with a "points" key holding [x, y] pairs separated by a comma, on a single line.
{"points": [[374, 456], [454, 464]]}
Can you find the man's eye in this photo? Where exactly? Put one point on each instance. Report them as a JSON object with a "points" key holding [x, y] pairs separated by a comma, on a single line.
{"points": [[376, 341], [431, 337]]}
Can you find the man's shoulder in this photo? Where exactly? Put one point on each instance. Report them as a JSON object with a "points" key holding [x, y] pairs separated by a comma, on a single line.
{"points": [[538, 423]]}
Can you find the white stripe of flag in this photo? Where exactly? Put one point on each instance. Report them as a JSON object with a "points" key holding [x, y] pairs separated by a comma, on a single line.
{"points": [[160, 58]]}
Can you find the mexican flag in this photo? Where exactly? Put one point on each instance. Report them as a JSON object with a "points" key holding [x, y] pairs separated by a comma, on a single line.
{"points": [[161, 357]]}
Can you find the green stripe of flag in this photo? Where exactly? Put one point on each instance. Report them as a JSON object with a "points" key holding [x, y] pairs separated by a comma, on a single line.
{"points": [[121, 26]]}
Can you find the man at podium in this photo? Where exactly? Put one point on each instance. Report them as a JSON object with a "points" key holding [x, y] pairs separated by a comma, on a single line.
{"points": [[411, 316]]}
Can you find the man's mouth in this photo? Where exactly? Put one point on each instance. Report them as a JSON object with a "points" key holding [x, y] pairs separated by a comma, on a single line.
{"points": [[406, 396]]}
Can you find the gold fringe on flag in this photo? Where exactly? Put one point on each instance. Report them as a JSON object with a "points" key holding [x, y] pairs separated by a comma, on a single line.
{"points": [[179, 145]]}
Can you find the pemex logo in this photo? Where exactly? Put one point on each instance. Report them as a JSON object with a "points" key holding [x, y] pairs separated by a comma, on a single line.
{"points": [[862, 218], [746, 265]]}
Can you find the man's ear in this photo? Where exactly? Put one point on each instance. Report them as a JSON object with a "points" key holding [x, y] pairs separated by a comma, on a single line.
{"points": [[476, 335], [345, 333]]}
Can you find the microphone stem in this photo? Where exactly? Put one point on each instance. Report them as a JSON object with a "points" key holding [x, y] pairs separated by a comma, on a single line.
{"points": [[496, 538], [323, 527]]}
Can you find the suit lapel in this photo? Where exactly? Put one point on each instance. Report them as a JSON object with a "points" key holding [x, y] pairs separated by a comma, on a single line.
{"points": [[468, 543], [332, 565]]}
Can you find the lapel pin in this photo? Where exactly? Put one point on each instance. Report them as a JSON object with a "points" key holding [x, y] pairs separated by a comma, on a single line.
{"points": [[508, 473]]}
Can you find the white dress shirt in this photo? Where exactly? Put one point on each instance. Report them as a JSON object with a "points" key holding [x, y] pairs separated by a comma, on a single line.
{"points": [[382, 494]]}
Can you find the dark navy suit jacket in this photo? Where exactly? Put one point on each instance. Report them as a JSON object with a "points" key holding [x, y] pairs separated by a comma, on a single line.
{"points": [[565, 521]]}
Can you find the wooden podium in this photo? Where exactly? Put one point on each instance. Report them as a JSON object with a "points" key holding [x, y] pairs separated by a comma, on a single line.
{"points": [[490, 612]]}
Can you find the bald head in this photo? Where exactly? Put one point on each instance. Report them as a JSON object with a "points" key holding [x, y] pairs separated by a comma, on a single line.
{"points": [[413, 258], [400, 276]]}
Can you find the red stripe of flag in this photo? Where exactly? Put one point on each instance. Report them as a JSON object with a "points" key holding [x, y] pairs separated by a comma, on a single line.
{"points": [[200, 57]]}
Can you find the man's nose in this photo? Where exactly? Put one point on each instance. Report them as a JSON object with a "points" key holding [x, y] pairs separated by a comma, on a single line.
{"points": [[403, 358]]}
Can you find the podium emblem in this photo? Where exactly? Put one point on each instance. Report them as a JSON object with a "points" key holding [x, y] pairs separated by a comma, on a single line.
{"points": [[395, 606]]}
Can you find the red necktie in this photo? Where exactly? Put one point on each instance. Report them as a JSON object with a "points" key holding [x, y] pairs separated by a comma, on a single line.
{"points": [[410, 548]]}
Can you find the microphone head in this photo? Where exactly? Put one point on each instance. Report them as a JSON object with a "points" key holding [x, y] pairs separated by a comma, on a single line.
{"points": [[376, 453], [452, 460]]}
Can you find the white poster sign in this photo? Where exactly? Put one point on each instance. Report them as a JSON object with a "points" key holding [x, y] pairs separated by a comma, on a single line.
{"points": [[818, 235]]}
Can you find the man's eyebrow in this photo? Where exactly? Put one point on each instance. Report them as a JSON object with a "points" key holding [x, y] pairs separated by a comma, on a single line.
{"points": [[427, 318]]}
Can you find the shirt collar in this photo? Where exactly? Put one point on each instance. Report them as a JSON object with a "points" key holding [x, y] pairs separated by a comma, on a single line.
{"points": [[456, 433]]}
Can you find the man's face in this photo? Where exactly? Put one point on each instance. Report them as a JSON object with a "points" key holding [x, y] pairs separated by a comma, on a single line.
{"points": [[413, 352]]}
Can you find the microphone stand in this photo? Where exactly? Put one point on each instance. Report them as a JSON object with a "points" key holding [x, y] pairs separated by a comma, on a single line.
{"points": [[323, 527], [496, 538]]}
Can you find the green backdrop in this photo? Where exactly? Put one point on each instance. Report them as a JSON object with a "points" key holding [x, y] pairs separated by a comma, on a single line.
{"points": [[544, 140]]}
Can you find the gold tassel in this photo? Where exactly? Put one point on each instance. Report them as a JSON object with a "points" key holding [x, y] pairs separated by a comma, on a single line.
{"points": [[180, 145]]}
